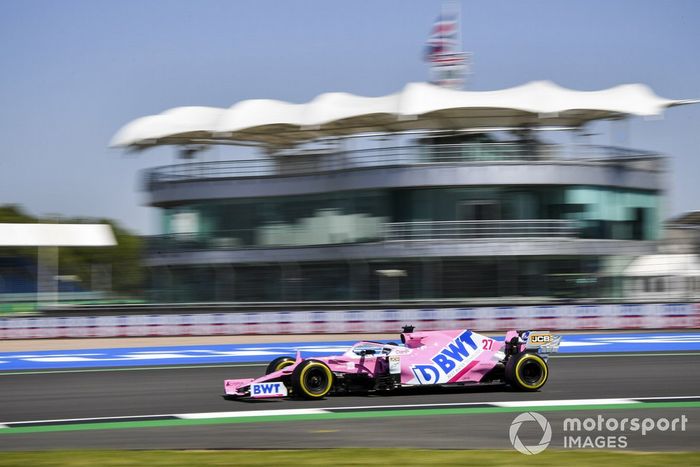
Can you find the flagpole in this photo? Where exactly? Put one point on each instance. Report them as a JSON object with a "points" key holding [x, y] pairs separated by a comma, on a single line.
{"points": [[458, 7], [448, 63], [460, 45]]}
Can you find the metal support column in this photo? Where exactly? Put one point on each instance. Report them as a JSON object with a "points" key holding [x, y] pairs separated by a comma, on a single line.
{"points": [[47, 276]]}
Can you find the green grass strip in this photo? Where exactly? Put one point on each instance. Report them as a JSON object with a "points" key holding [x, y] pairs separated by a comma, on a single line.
{"points": [[337, 416], [344, 457]]}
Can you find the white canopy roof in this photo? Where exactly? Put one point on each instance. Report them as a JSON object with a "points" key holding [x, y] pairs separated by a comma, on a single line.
{"points": [[56, 235], [664, 265], [417, 106]]}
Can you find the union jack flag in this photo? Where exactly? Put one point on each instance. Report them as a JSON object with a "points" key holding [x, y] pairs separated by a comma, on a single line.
{"points": [[444, 37]]}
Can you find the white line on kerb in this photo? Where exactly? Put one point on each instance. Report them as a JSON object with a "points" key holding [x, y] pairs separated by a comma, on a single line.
{"points": [[90, 419], [665, 398], [563, 402]]}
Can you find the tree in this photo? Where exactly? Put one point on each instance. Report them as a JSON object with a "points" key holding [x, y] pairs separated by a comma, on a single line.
{"points": [[124, 259]]}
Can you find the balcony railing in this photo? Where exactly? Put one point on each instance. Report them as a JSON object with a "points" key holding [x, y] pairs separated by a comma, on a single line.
{"points": [[390, 232], [471, 230], [315, 162]]}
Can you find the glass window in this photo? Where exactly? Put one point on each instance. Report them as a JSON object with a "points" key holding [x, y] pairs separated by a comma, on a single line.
{"points": [[347, 217]]}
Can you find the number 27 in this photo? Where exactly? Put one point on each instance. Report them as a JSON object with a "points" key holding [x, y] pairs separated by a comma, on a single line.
{"points": [[487, 344]]}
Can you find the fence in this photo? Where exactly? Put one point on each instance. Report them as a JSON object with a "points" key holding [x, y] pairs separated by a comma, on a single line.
{"points": [[300, 162], [555, 317], [482, 229]]}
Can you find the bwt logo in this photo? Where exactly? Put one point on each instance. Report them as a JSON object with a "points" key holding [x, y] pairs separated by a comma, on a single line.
{"points": [[268, 390], [447, 360]]}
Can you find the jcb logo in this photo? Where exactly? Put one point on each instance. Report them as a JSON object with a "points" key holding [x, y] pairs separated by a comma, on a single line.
{"points": [[540, 338]]}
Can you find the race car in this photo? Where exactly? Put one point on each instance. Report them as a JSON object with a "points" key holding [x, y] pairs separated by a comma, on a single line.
{"points": [[431, 358]]}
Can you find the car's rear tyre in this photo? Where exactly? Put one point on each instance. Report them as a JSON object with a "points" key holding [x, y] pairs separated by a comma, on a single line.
{"points": [[526, 372], [279, 363], [312, 379]]}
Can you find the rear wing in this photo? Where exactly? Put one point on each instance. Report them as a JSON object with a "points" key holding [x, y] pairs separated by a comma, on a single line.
{"points": [[544, 342]]}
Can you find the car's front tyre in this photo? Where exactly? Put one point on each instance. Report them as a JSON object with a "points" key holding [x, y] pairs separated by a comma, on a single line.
{"points": [[312, 379], [278, 363]]}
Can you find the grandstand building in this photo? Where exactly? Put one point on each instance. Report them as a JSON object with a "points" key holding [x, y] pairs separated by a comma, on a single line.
{"points": [[426, 194]]}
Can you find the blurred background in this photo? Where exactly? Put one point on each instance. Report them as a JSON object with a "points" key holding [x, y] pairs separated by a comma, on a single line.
{"points": [[597, 208], [233, 182]]}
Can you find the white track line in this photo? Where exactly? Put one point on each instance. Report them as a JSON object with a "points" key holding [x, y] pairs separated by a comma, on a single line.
{"points": [[250, 413], [411, 406]]}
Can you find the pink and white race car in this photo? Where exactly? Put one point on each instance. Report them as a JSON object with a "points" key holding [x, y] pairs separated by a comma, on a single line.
{"points": [[437, 358]]}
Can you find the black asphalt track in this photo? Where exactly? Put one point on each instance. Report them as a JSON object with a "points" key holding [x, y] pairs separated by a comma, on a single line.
{"points": [[119, 392]]}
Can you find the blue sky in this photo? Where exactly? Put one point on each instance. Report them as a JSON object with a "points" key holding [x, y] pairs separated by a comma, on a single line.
{"points": [[73, 72]]}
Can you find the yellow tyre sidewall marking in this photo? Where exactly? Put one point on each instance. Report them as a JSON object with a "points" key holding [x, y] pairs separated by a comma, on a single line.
{"points": [[543, 365], [303, 382]]}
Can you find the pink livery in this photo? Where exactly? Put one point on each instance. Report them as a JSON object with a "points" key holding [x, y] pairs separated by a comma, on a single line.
{"points": [[452, 357]]}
